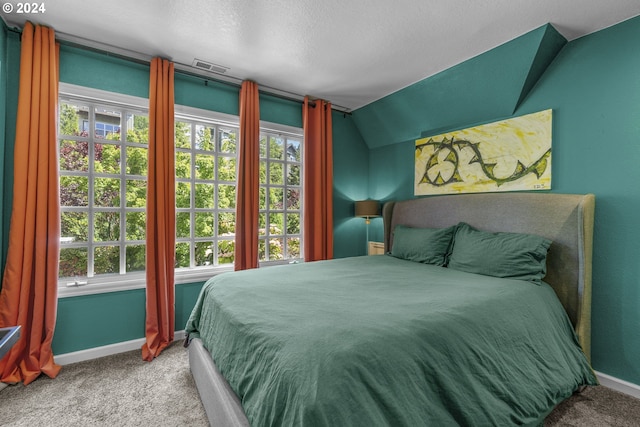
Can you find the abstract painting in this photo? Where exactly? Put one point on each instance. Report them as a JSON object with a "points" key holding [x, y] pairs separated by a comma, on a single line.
{"points": [[507, 155]]}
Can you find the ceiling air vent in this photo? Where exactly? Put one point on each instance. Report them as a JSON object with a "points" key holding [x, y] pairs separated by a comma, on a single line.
{"points": [[208, 66]]}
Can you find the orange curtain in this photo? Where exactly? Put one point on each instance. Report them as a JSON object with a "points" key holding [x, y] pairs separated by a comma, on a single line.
{"points": [[30, 283], [161, 217], [318, 180], [247, 198]]}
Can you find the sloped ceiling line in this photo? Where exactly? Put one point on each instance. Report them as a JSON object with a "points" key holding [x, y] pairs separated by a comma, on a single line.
{"points": [[550, 45], [487, 87]]}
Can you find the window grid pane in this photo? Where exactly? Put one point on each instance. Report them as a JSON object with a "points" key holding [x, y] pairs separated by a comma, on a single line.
{"points": [[206, 162], [102, 209], [280, 204]]}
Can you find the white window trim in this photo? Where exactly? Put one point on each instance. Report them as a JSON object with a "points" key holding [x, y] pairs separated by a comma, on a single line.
{"points": [[98, 95], [137, 280], [285, 130], [131, 281], [199, 114]]}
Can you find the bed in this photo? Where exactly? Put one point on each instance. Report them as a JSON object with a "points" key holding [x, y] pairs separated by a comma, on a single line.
{"points": [[404, 339]]}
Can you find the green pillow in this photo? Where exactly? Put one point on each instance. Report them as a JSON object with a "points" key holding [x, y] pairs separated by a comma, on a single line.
{"points": [[509, 255], [426, 245]]}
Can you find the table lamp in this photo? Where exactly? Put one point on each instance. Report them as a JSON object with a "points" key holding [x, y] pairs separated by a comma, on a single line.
{"points": [[367, 209]]}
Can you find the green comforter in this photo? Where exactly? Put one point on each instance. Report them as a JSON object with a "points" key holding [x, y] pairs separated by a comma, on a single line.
{"points": [[380, 341]]}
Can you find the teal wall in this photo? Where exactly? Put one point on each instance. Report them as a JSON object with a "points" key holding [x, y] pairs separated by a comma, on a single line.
{"points": [[593, 87], [463, 94], [10, 69], [199, 93], [100, 319], [350, 183], [101, 71], [3, 113], [594, 90], [278, 110]]}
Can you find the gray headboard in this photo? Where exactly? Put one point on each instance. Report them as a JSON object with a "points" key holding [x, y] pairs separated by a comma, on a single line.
{"points": [[566, 219]]}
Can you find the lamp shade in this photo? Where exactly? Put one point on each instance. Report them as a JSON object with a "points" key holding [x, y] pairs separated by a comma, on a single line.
{"points": [[367, 208]]}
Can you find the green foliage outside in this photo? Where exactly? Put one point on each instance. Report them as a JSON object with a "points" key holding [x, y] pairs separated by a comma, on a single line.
{"points": [[74, 193], [214, 162]]}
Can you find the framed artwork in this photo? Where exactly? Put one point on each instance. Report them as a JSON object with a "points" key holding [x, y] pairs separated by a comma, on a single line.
{"points": [[507, 155]]}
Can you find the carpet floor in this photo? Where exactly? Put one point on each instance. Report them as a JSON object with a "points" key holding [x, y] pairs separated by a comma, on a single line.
{"points": [[123, 390]]}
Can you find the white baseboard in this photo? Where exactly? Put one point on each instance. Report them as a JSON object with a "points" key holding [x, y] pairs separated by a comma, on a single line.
{"points": [[619, 385], [106, 350]]}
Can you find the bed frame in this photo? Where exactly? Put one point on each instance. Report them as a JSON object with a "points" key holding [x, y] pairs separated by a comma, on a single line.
{"points": [[566, 219]]}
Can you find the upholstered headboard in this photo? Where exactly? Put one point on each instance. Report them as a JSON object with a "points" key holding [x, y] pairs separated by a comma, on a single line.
{"points": [[566, 219]]}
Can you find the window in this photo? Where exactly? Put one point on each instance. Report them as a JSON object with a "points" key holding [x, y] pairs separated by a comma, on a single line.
{"points": [[280, 232], [206, 175], [103, 174], [103, 152]]}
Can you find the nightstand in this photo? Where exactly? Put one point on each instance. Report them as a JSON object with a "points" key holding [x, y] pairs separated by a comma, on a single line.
{"points": [[376, 248]]}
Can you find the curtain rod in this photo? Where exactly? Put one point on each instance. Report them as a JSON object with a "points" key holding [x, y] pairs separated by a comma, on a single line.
{"points": [[185, 69]]}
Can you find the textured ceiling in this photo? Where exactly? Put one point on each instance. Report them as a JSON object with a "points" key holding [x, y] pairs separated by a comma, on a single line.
{"points": [[349, 52]]}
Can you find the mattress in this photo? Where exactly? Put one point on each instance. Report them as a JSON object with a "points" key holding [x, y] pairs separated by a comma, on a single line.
{"points": [[381, 341]]}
